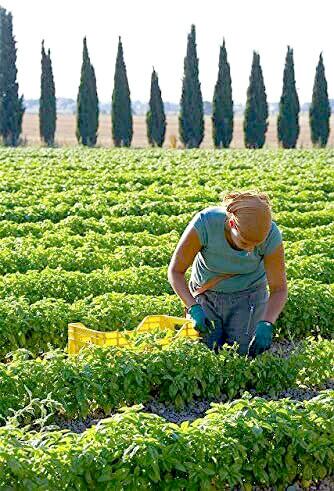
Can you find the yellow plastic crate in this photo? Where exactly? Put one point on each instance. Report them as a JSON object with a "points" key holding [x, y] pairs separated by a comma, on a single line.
{"points": [[79, 335]]}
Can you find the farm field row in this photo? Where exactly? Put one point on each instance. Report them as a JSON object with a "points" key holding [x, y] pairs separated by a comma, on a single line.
{"points": [[25, 256], [71, 286], [240, 443], [149, 226], [105, 379], [34, 326]]}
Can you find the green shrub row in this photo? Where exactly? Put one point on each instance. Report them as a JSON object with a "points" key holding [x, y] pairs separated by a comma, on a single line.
{"points": [[302, 168], [153, 224], [309, 247], [315, 267], [45, 321], [293, 234], [156, 223], [308, 219], [309, 310], [27, 195], [288, 219], [74, 285], [96, 240], [84, 259], [97, 209], [156, 192], [128, 204], [90, 256], [107, 378], [146, 280], [91, 239], [245, 443]]}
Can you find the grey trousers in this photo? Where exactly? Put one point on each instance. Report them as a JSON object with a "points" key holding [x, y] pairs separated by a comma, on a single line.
{"points": [[235, 315]]}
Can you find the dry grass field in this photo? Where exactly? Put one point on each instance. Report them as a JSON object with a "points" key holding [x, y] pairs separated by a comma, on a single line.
{"points": [[65, 134]]}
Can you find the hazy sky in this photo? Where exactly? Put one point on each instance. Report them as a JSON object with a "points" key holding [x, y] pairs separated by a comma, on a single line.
{"points": [[154, 33]]}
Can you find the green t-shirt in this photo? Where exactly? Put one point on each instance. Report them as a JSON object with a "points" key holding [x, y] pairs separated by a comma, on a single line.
{"points": [[217, 256]]}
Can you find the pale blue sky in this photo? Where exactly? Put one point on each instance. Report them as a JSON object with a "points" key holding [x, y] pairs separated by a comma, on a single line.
{"points": [[155, 33]]}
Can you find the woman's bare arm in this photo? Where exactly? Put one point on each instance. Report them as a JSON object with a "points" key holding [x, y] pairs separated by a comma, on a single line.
{"points": [[183, 257], [275, 271]]}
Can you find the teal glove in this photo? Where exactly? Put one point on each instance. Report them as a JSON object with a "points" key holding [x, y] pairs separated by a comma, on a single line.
{"points": [[201, 321], [262, 339]]}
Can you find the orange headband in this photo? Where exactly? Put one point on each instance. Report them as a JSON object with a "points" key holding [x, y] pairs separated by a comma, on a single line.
{"points": [[252, 216]]}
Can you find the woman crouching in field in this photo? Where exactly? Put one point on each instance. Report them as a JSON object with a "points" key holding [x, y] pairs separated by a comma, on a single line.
{"points": [[236, 251]]}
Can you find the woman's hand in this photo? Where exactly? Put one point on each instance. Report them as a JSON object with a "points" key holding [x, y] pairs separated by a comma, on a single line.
{"points": [[200, 319], [262, 339]]}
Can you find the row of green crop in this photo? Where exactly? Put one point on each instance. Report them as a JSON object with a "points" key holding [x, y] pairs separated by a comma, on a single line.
{"points": [[146, 280], [89, 257], [293, 234], [12, 207], [96, 207], [309, 310], [109, 240], [151, 197], [244, 443], [73, 178], [85, 259], [107, 378], [73, 285], [309, 247], [287, 219], [154, 225], [49, 160], [283, 196], [97, 240], [42, 211], [49, 191], [317, 213], [147, 167]]}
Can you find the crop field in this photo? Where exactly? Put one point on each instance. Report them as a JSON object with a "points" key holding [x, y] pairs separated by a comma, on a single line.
{"points": [[86, 235]]}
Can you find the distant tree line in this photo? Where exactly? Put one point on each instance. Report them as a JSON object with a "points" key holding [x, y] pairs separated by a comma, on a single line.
{"points": [[191, 115]]}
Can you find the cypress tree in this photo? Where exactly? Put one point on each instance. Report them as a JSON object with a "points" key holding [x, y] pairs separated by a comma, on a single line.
{"points": [[256, 112], [11, 106], [155, 117], [121, 114], [287, 121], [191, 117], [87, 102], [320, 109], [47, 102], [222, 105]]}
